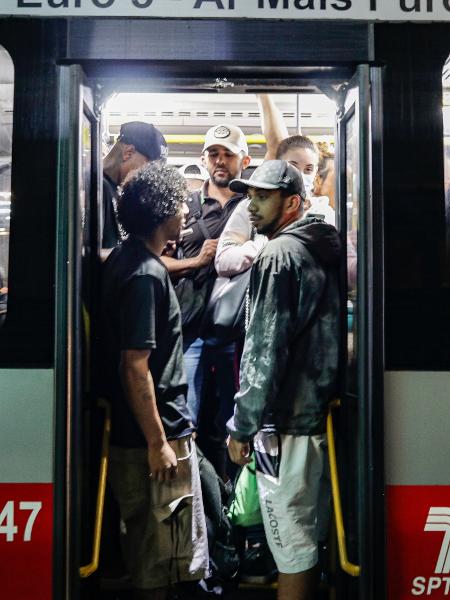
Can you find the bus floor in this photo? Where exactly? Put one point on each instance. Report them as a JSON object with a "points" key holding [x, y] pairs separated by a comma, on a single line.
{"points": [[262, 592]]}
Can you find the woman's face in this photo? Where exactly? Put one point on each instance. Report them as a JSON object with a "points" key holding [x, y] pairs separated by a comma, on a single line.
{"points": [[306, 162], [304, 159]]}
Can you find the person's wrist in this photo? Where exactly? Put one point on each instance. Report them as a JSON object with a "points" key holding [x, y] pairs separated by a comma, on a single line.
{"points": [[156, 444]]}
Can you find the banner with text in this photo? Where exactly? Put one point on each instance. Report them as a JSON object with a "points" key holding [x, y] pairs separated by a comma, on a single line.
{"points": [[365, 10]]}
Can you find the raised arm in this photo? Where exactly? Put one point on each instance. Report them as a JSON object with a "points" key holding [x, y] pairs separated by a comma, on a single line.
{"points": [[272, 124]]}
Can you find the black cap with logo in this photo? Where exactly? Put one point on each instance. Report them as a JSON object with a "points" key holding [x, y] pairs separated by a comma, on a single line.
{"points": [[147, 140]]}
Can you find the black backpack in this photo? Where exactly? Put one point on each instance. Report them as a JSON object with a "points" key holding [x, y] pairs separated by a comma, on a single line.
{"points": [[223, 554], [192, 296]]}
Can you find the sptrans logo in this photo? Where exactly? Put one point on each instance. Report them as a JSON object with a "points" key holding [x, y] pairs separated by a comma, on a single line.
{"points": [[438, 520], [418, 542]]}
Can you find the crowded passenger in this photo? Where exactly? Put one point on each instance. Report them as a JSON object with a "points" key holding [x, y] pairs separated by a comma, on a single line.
{"points": [[322, 196], [237, 246], [288, 370], [240, 243], [315, 162], [195, 175], [267, 222], [137, 144], [236, 249], [210, 365], [153, 465], [325, 181]]}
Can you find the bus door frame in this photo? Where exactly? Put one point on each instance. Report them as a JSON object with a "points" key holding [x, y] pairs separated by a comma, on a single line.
{"points": [[362, 407], [360, 97], [77, 112]]}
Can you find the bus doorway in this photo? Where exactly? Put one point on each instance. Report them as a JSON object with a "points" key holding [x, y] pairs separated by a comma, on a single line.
{"points": [[356, 137]]}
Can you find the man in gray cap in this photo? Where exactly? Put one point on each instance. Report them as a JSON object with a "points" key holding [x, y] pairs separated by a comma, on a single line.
{"points": [[225, 156], [288, 371], [138, 143]]}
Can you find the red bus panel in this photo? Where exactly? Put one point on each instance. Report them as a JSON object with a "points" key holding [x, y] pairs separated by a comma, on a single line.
{"points": [[26, 540]]}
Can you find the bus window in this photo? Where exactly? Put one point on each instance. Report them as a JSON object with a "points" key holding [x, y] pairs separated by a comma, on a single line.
{"points": [[446, 116], [6, 121], [352, 233], [184, 118]]}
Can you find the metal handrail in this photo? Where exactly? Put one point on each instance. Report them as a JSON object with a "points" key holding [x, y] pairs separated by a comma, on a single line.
{"points": [[346, 565], [193, 138], [87, 570]]}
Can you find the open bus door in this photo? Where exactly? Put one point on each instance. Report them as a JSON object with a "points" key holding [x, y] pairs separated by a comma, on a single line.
{"points": [[358, 420], [77, 265], [360, 416]]}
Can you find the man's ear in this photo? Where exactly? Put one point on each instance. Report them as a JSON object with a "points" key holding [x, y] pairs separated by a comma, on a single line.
{"points": [[203, 159], [127, 151], [246, 161], [293, 203]]}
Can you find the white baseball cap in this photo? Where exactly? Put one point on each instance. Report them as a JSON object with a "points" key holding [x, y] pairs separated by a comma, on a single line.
{"points": [[194, 171], [227, 135]]}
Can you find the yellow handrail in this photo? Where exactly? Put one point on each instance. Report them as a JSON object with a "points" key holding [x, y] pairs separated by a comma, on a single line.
{"points": [[87, 570], [193, 138], [346, 565]]}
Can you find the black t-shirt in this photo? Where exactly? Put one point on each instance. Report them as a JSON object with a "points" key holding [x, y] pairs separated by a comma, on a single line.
{"points": [[111, 234], [214, 215], [214, 218], [140, 311]]}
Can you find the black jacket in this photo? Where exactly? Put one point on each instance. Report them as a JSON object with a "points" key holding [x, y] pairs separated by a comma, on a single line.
{"points": [[290, 360]]}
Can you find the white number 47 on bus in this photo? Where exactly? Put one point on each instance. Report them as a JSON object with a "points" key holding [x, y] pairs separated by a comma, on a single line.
{"points": [[7, 525]]}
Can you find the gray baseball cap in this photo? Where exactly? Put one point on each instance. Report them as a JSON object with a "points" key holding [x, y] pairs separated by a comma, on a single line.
{"points": [[272, 175]]}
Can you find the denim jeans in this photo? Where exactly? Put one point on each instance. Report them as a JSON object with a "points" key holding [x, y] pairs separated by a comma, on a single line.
{"points": [[212, 380], [192, 350], [220, 362]]}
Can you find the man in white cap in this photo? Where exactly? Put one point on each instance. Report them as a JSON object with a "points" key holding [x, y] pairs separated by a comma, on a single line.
{"points": [[225, 156]]}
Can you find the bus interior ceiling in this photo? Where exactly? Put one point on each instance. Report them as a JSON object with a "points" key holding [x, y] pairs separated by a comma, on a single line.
{"points": [[184, 117], [187, 100]]}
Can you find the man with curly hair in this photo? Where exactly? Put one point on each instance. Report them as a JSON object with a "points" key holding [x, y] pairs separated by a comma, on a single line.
{"points": [[153, 472]]}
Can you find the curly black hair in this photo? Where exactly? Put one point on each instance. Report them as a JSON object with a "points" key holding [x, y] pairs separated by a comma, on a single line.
{"points": [[149, 197]]}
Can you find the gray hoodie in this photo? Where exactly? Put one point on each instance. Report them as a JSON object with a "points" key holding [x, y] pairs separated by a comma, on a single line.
{"points": [[290, 360]]}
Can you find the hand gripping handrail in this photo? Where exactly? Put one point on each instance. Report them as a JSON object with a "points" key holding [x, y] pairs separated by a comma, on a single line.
{"points": [[346, 565], [87, 570]]}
